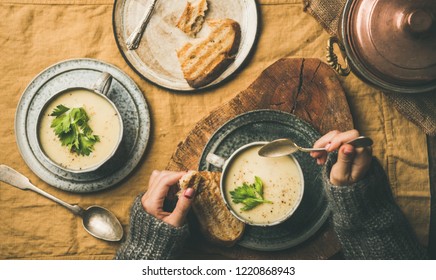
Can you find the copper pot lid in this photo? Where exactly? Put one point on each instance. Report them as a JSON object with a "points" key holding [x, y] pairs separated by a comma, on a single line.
{"points": [[392, 43]]}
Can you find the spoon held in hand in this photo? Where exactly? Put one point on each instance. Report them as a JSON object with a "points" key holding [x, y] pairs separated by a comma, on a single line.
{"points": [[283, 147]]}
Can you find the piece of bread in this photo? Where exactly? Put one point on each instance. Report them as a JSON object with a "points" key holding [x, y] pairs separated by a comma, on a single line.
{"points": [[216, 222], [204, 60], [192, 19]]}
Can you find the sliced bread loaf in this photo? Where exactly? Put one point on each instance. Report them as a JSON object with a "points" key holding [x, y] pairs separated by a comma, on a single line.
{"points": [[216, 222], [204, 60]]}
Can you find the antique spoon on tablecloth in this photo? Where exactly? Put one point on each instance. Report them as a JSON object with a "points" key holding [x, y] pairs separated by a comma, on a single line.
{"points": [[283, 147], [98, 221]]}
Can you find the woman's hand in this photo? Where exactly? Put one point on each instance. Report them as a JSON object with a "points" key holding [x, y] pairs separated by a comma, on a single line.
{"points": [[153, 199], [352, 163]]}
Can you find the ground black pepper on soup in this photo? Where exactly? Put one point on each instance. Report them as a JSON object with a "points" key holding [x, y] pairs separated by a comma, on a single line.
{"points": [[103, 119], [282, 185]]}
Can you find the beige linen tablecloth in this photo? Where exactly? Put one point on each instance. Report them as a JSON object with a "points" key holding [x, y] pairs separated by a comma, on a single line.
{"points": [[34, 34]]}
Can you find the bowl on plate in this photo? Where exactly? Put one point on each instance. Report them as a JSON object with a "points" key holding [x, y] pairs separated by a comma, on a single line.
{"points": [[257, 190], [90, 124]]}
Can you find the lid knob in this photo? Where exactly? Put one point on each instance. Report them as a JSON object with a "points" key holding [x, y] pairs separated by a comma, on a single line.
{"points": [[419, 21]]}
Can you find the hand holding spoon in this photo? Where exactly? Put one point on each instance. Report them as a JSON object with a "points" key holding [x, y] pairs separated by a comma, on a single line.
{"points": [[283, 147], [97, 221]]}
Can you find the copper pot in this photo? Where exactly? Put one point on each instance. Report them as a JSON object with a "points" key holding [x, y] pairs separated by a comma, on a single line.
{"points": [[390, 44]]}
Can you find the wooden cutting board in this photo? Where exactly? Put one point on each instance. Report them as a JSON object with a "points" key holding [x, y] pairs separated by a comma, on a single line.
{"points": [[307, 88]]}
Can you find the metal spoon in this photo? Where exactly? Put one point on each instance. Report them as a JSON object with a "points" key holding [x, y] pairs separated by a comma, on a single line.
{"points": [[97, 221], [283, 147], [134, 39]]}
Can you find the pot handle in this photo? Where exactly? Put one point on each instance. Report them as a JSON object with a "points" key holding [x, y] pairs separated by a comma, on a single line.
{"points": [[332, 58]]}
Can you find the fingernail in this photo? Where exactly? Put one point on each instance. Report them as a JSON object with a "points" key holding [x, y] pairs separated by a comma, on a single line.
{"points": [[189, 193], [328, 146], [348, 151]]}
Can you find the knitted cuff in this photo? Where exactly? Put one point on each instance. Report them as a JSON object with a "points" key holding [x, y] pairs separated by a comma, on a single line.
{"points": [[151, 238], [366, 219], [352, 205]]}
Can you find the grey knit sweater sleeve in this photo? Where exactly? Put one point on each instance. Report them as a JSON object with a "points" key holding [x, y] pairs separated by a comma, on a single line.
{"points": [[367, 220], [150, 238]]}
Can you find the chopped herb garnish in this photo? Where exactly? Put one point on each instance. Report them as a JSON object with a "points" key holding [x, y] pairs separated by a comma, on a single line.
{"points": [[72, 129], [250, 195]]}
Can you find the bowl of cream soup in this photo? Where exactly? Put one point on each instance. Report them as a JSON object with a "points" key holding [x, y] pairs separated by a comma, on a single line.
{"points": [[257, 190], [80, 129]]}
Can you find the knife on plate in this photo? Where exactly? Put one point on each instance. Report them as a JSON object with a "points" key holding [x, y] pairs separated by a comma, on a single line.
{"points": [[135, 38]]}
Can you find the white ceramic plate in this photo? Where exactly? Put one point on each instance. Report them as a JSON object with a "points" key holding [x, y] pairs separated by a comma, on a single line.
{"points": [[156, 59]]}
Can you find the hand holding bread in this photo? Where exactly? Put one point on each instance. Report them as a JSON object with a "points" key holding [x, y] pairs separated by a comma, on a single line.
{"points": [[158, 187], [199, 189], [217, 224]]}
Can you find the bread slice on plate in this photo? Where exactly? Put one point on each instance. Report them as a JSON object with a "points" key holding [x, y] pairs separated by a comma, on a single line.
{"points": [[204, 60], [216, 222], [192, 19]]}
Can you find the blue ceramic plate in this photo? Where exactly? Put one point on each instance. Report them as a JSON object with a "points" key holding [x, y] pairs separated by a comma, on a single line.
{"points": [[267, 125], [83, 73]]}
